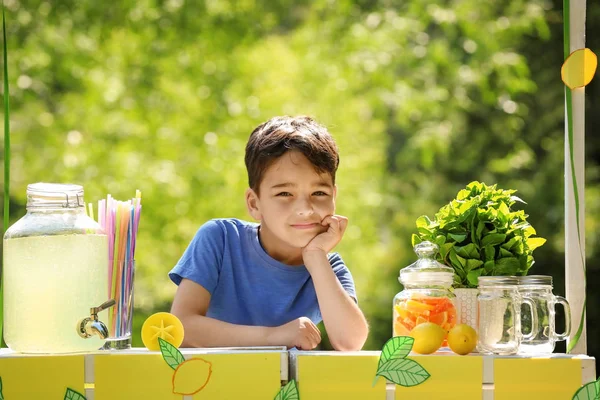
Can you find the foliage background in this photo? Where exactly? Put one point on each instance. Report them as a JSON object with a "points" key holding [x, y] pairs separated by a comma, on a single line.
{"points": [[422, 97]]}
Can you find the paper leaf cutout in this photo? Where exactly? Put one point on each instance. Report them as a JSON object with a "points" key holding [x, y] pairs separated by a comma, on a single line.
{"points": [[396, 347], [191, 376], [170, 354], [1, 395], [73, 395], [288, 392], [403, 372], [579, 68], [589, 391]]}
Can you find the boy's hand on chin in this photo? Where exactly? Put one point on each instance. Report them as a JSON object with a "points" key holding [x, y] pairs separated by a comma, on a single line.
{"points": [[326, 241]]}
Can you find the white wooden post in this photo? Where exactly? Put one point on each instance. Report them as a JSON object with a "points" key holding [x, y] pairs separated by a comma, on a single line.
{"points": [[574, 166]]}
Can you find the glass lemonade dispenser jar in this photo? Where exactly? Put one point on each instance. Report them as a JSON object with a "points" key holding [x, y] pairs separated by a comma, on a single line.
{"points": [[426, 296], [55, 274]]}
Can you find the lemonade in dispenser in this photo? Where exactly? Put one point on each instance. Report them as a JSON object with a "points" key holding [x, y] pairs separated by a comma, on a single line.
{"points": [[426, 296], [54, 275]]}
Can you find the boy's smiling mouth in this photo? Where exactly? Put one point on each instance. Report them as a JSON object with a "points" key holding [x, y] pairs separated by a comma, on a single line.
{"points": [[309, 225]]}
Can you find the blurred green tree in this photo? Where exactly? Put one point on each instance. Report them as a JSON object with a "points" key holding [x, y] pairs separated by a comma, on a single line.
{"points": [[422, 97]]}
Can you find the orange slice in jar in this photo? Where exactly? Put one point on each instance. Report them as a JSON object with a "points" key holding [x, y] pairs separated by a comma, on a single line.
{"points": [[418, 307], [401, 310], [400, 329], [439, 318]]}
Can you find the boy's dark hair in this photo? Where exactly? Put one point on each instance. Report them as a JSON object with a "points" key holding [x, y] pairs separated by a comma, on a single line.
{"points": [[271, 139]]}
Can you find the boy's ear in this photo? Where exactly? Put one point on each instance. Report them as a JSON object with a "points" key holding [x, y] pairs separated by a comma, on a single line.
{"points": [[252, 203]]}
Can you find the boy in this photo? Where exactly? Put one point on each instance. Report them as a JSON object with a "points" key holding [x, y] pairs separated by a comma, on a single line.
{"points": [[269, 284]]}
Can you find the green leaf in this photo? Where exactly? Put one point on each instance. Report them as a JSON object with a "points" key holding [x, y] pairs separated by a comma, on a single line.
{"points": [[404, 372], [456, 260], [489, 253], [458, 238], [505, 253], [396, 347], [444, 249], [489, 266], [288, 392], [534, 243], [73, 395], [423, 221], [1, 395], [589, 391], [415, 239], [473, 275], [473, 264], [440, 240], [507, 266], [468, 251], [170, 354], [492, 239], [508, 245]]}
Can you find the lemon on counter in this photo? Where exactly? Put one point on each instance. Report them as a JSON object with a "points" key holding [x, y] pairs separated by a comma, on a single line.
{"points": [[162, 325], [462, 339], [428, 337]]}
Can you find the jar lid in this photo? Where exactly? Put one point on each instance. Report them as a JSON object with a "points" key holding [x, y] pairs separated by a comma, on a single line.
{"points": [[535, 280], [426, 278], [61, 195], [428, 266], [497, 280]]}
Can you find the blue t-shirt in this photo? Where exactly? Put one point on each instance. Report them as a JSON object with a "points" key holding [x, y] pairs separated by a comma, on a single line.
{"points": [[247, 286]]}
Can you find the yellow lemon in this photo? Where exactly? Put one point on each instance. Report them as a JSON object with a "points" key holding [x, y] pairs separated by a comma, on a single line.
{"points": [[162, 325], [428, 337], [462, 339], [191, 376]]}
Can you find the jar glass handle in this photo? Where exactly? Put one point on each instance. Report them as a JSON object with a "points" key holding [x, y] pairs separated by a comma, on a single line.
{"points": [[534, 319], [562, 301]]}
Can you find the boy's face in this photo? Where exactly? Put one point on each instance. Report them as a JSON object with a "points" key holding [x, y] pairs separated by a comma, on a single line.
{"points": [[294, 199]]}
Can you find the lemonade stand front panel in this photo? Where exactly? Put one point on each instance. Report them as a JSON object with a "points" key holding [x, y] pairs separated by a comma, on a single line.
{"points": [[201, 376], [132, 376], [41, 377], [343, 377], [245, 376], [536, 378], [451, 377]]}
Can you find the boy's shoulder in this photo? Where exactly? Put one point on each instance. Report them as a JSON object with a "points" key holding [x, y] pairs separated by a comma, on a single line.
{"points": [[226, 225]]}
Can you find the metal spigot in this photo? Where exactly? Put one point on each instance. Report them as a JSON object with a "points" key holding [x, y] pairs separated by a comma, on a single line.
{"points": [[90, 326]]}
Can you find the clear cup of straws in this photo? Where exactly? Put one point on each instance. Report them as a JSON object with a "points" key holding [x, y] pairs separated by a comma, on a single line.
{"points": [[120, 220]]}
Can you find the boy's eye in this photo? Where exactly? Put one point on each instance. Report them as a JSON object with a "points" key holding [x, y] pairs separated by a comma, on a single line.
{"points": [[283, 194], [320, 193]]}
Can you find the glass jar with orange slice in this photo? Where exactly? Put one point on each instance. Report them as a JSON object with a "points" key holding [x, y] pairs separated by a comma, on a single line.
{"points": [[427, 295]]}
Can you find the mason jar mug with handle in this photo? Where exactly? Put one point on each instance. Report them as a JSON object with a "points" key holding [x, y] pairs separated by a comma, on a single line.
{"points": [[539, 289]]}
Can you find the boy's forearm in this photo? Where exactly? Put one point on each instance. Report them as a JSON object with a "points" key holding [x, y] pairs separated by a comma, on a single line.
{"points": [[201, 331], [346, 325]]}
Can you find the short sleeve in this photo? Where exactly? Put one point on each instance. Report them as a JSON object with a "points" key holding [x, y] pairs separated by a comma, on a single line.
{"points": [[343, 274], [201, 261]]}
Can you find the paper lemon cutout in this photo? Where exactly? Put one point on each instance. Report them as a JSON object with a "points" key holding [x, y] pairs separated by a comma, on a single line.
{"points": [[579, 68], [191, 376], [162, 325]]}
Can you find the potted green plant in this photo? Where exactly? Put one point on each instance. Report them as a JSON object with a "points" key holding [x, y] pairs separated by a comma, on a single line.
{"points": [[479, 233]]}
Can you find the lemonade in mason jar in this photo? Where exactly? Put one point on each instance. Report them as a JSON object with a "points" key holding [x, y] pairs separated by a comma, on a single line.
{"points": [[426, 296]]}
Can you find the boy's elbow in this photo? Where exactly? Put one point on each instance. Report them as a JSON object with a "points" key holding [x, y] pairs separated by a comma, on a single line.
{"points": [[353, 342]]}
